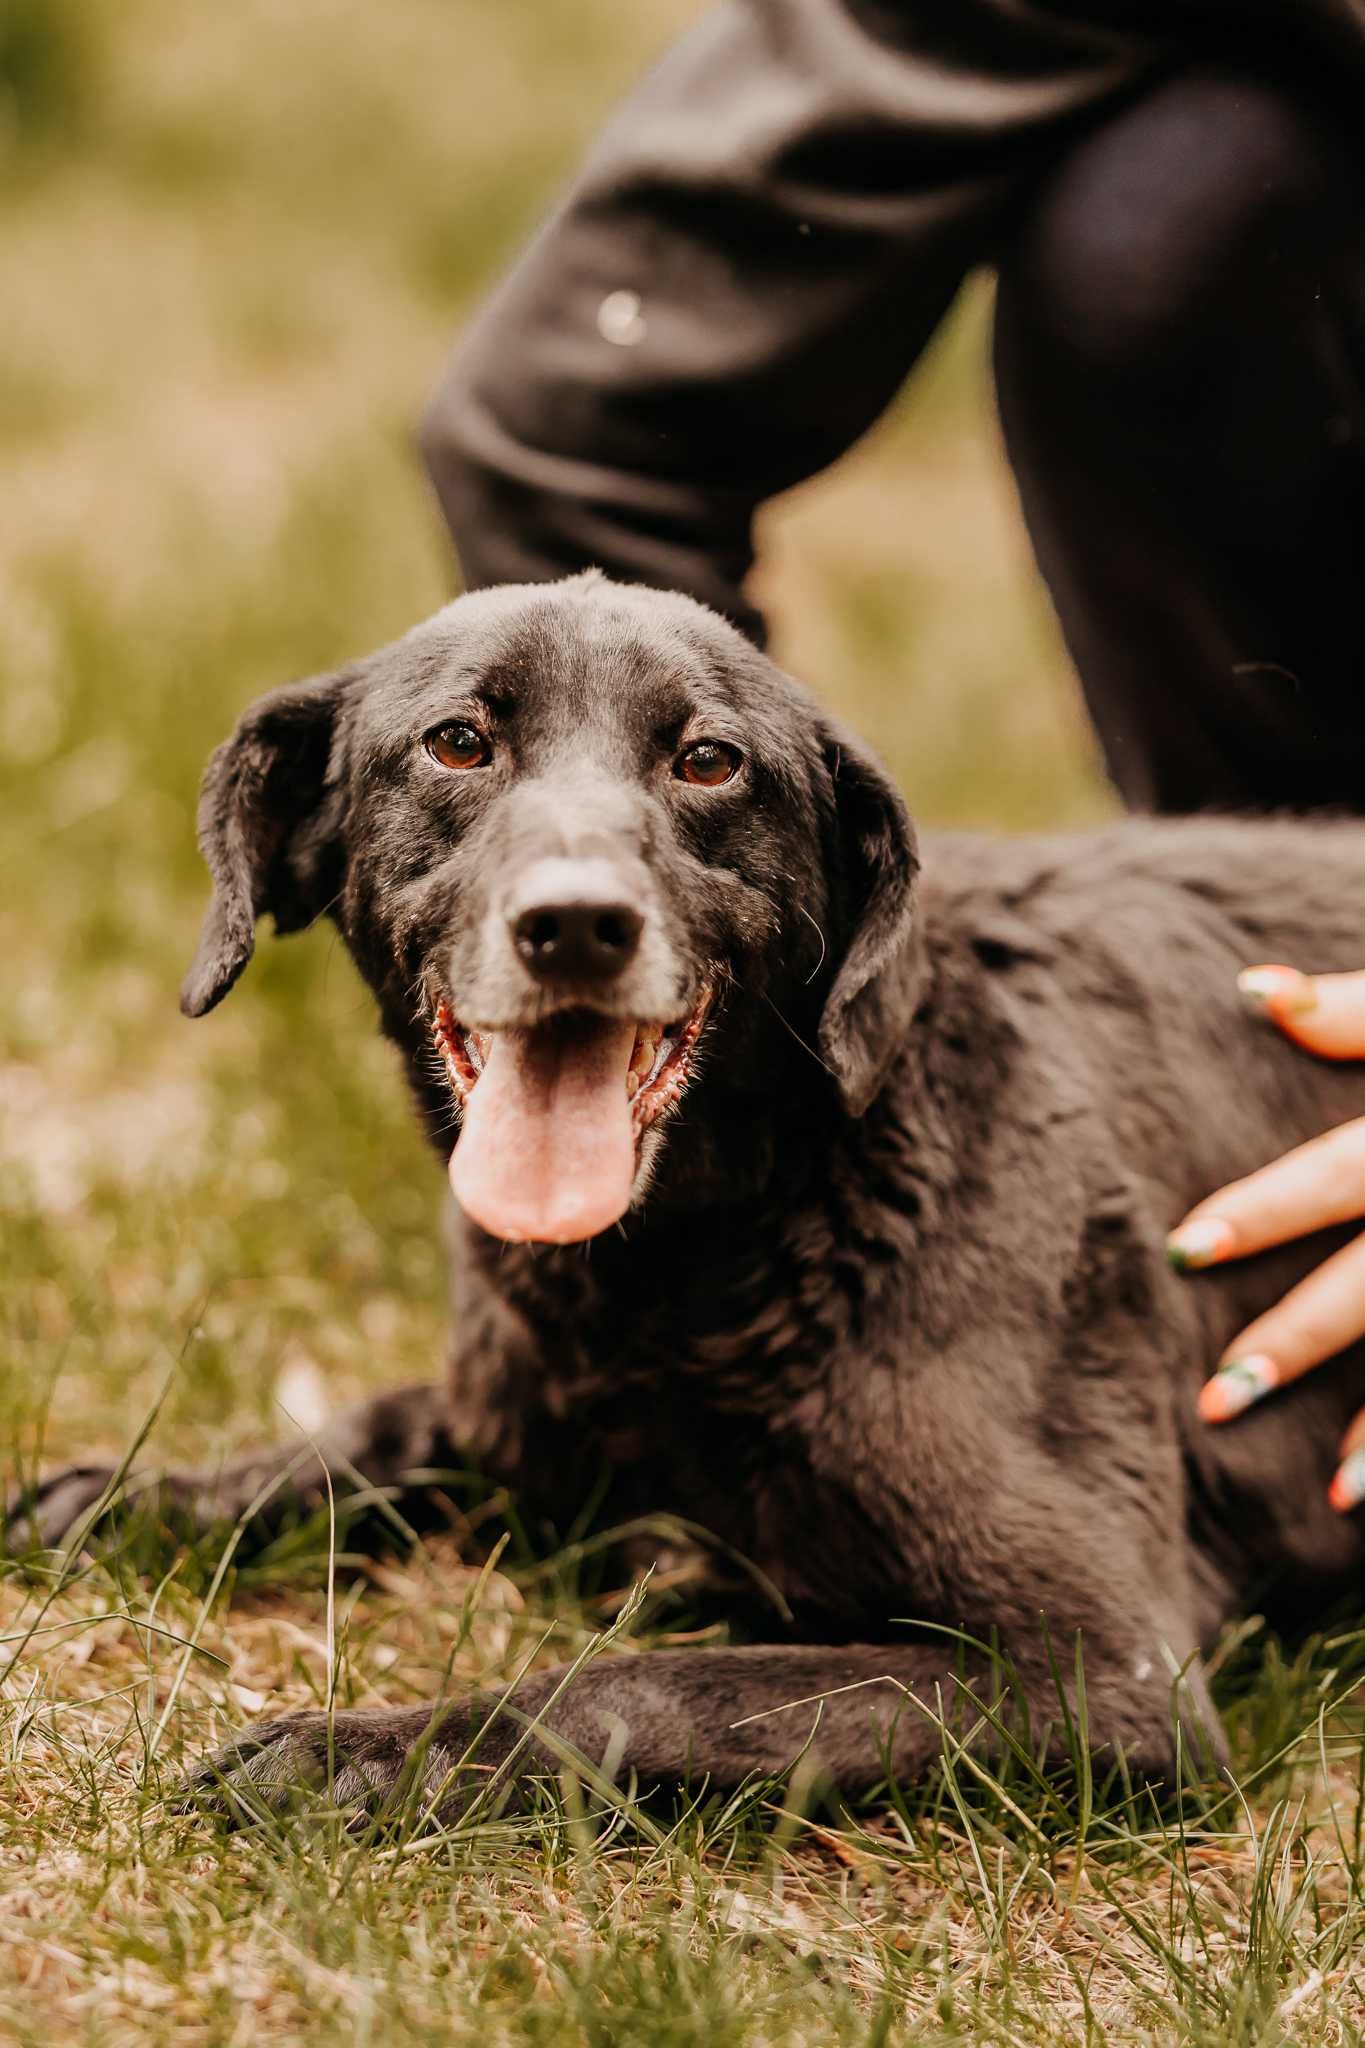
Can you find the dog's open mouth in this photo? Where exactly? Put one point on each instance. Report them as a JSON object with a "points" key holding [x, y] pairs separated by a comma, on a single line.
{"points": [[553, 1116]]}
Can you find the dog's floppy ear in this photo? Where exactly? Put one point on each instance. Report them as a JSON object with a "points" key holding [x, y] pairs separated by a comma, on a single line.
{"points": [[872, 998], [270, 828]]}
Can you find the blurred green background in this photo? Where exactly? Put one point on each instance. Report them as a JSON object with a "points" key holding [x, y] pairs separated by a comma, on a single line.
{"points": [[238, 243]]}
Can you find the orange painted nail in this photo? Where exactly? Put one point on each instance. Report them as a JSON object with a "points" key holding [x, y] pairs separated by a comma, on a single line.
{"points": [[1347, 1490]]}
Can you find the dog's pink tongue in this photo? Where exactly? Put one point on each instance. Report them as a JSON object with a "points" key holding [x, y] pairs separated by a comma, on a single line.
{"points": [[547, 1151]]}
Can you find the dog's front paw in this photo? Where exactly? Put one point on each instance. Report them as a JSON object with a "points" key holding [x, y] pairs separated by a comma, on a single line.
{"points": [[394, 1764], [45, 1515]]}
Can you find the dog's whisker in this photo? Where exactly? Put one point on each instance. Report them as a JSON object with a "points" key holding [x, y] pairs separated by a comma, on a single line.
{"points": [[820, 936], [792, 1030]]}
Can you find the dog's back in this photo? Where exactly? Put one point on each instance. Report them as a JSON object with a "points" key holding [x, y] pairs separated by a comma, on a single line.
{"points": [[1116, 953]]}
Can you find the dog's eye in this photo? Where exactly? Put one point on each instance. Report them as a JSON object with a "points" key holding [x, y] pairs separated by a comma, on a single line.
{"points": [[707, 763], [458, 746]]}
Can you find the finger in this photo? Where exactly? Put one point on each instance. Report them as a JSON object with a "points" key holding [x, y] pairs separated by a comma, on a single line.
{"points": [[1324, 1013], [1317, 1184], [1347, 1490], [1315, 1320]]}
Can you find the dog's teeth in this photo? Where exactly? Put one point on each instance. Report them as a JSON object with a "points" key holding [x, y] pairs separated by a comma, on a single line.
{"points": [[642, 1059], [632, 1085]]}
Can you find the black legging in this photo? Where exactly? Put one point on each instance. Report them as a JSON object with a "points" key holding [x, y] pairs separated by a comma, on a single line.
{"points": [[772, 228]]}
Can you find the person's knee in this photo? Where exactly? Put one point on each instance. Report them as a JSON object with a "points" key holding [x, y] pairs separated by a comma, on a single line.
{"points": [[1191, 216]]}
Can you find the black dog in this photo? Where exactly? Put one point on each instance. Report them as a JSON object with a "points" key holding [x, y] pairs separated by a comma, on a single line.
{"points": [[875, 1170]]}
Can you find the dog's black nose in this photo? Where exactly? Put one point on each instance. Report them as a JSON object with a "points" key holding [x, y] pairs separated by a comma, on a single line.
{"points": [[577, 941]]}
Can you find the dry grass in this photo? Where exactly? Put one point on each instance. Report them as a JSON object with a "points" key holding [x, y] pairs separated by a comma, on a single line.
{"points": [[959, 1919], [238, 242]]}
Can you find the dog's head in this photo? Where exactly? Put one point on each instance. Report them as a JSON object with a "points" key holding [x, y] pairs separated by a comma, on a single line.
{"points": [[594, 849]]}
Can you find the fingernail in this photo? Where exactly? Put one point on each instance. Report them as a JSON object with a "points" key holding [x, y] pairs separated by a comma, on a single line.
{"points": [[1348, 1487], [1284, 987], [1237, 1385], [1199, 1244]]}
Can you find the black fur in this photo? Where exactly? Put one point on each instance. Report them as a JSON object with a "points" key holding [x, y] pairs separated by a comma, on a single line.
{"points": [[892, 1318]]}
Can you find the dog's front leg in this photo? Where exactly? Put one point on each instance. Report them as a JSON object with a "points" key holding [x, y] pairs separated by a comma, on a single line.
{"points": [[387, 1443], [854, 1715]]}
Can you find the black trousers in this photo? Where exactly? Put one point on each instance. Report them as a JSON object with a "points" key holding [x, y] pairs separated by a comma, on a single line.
{"points": [[773, 227], [1180, 370]]}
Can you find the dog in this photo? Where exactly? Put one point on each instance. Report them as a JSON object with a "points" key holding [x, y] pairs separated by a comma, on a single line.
{"points": [[814, 1193]]}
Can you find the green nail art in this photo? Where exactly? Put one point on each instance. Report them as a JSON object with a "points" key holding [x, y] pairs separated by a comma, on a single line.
{"points": [[1199, 1244], [1290, 990], [1244, 1381]]}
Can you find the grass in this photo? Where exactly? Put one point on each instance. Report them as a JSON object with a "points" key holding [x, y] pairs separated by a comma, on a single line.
{"points": [[243, 239], [996, 1905]]}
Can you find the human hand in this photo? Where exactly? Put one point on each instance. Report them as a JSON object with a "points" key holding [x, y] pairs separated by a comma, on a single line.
{"points": [[1317, 1184]]}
